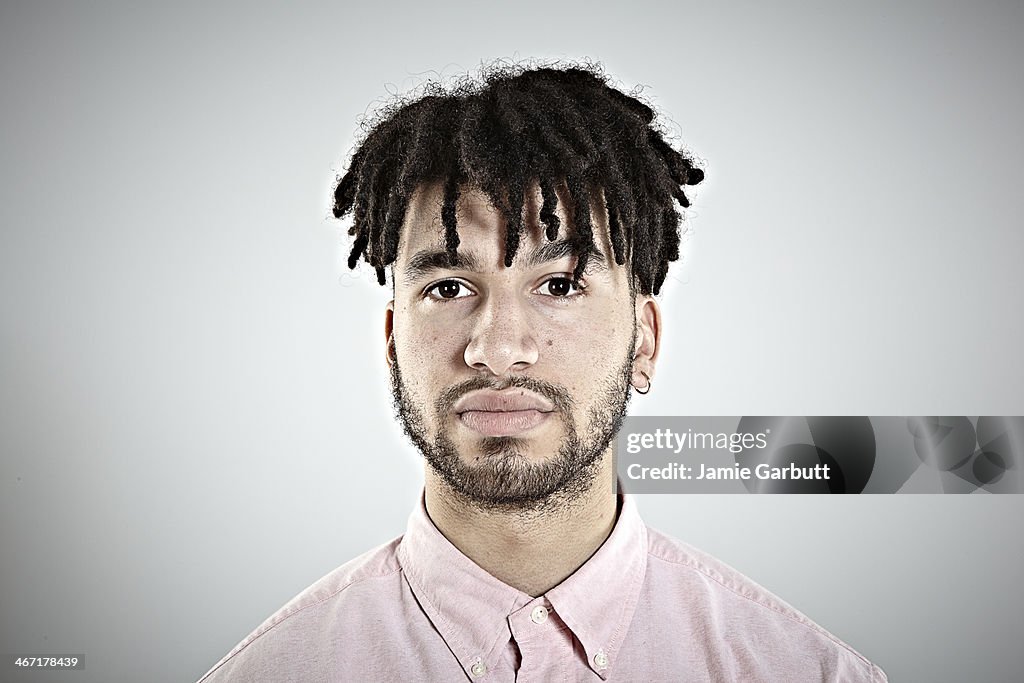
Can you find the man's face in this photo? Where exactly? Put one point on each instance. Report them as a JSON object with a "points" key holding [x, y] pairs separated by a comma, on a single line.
{"points": [[511, 381]]}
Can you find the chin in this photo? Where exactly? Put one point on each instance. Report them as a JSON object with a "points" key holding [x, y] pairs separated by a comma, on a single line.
{"points": [[534, 451]]}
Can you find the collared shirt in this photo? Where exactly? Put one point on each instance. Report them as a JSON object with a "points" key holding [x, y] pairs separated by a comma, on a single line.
{"points": [[644, 607]]}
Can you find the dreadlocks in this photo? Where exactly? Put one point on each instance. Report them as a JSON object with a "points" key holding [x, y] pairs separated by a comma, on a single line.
{"points": [[553, 127]]}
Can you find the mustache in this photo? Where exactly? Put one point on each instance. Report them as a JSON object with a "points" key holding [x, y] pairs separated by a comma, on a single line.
{"points": [[558, 396]]}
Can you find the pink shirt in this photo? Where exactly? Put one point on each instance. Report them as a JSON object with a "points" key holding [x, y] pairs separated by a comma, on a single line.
{"points": [[645, 607]]}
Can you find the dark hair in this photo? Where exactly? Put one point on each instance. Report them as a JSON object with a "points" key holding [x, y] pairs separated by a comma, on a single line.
{"points": [[515, 126]]}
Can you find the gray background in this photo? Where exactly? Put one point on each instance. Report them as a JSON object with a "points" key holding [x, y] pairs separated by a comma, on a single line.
{"points": [[194, 415]]}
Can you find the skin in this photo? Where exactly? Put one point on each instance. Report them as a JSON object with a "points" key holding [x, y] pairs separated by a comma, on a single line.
{"points": [[482, 321]]}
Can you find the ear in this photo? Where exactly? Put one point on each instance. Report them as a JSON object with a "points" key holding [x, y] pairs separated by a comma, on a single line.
{"points": [[389, 336], [648, 341]]}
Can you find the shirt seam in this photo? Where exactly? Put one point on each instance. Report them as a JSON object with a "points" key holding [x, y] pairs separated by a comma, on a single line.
{"points": [[810, 626], [260, 633]]}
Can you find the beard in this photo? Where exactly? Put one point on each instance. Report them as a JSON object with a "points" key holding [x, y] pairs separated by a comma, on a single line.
{"points": [[497, 476]]}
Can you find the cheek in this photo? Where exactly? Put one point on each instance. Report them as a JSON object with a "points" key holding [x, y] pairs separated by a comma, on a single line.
{"points": [[424, 348], [583, 352]]}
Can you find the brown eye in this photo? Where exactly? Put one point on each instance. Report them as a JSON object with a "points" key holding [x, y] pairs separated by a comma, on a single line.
{"points": [[560, 287], [448, 289]]}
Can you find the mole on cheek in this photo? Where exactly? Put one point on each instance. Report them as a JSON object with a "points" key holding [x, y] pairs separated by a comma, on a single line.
{"points": [[550, 343]]}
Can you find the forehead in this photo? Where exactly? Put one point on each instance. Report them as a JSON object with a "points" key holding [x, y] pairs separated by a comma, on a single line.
{"points": [[481, 226]]}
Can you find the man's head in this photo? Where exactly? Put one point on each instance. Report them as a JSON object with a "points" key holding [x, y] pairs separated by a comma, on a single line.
{"points": [[527, 221]]}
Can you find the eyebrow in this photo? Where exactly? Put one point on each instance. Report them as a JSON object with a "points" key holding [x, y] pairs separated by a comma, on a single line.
{"points": [[429, 261], [559, 249]]}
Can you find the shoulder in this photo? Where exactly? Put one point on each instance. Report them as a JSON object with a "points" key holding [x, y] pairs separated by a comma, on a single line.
{"points": [[354, 585], [736, 610], [723, 581]]}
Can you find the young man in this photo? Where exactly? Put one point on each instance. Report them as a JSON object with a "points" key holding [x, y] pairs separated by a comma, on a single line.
{"points": [[527, 222]]}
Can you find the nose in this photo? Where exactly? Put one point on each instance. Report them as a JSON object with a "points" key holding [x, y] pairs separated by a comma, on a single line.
{"points": [[502, 339]]}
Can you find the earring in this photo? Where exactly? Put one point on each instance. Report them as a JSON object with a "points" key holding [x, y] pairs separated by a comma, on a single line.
{"points": [[646, 389]]}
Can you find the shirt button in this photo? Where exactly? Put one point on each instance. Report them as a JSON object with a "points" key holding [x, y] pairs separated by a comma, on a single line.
{"points": [[539, 614], [601, 660], [478, 669]]}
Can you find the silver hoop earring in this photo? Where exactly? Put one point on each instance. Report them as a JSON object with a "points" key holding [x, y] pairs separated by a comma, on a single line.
{"points": [[647, 389]]}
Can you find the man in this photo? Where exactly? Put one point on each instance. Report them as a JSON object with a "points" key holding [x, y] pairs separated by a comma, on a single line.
{"points": [[527, 222]]}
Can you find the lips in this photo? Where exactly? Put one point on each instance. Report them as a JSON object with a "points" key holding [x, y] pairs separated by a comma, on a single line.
{"points": [[507, 400], [502, 413]]}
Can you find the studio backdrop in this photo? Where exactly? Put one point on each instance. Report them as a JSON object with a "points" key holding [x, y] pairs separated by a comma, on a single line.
{"points": [[195, 420]]}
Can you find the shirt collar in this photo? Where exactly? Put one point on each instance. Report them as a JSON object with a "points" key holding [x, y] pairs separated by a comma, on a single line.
{"points": [[470, 608]]}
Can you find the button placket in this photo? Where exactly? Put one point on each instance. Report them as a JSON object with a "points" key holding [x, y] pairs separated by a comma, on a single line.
{"points": [[546, 645]]}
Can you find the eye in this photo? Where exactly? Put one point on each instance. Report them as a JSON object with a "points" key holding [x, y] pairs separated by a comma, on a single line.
{"points": [[561, 287], [448, 289]]}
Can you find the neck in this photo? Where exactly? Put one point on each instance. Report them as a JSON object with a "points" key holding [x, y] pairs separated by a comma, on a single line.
{"points": [[532, 551]]}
